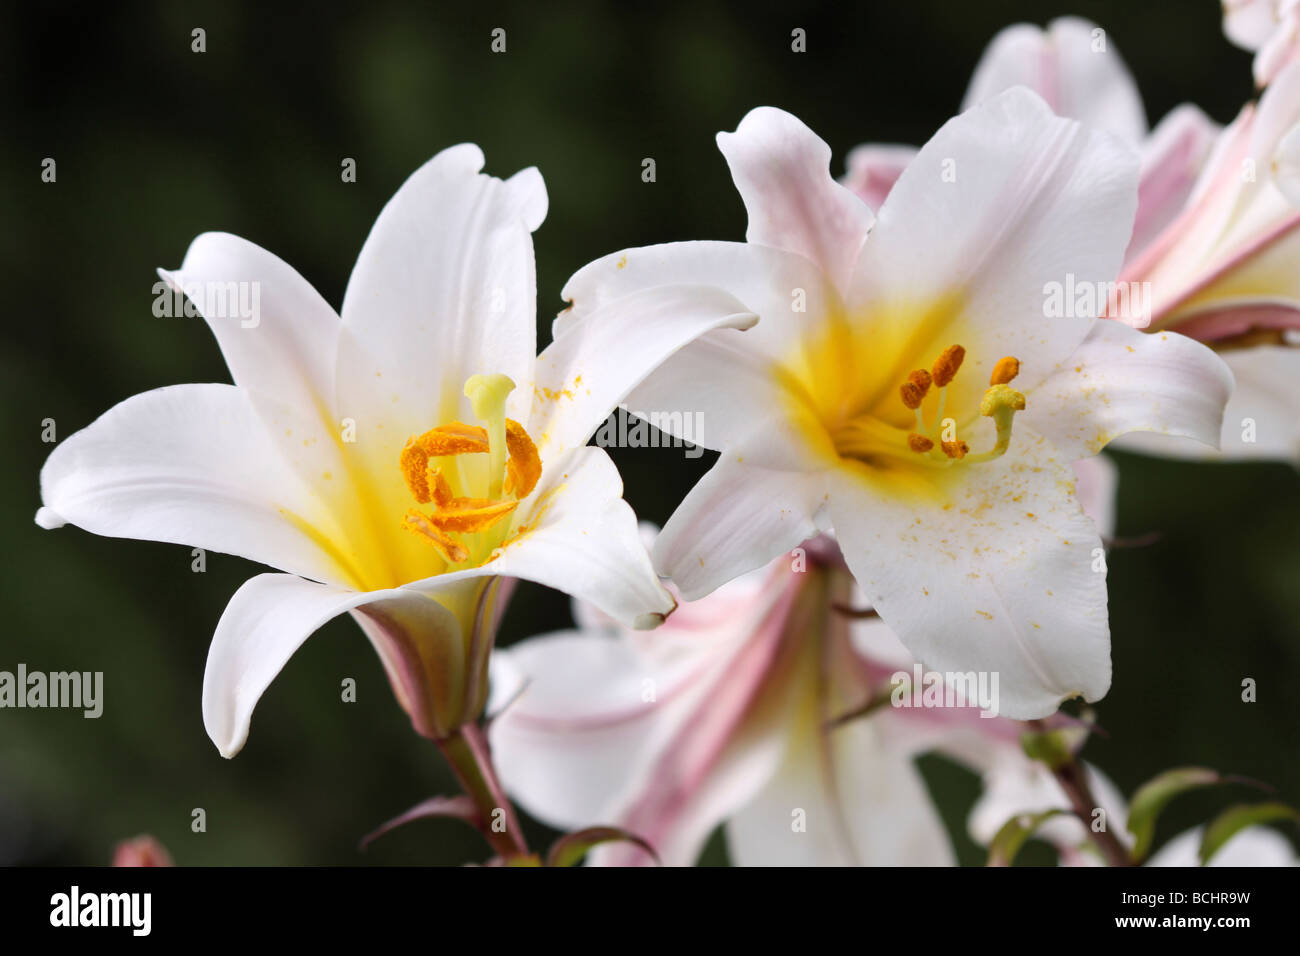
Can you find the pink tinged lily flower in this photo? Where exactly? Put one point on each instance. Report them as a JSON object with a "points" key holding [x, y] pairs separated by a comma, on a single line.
{"points": [[1269, 28], [398, 460], [906, 389], [726, 715], [732, 713], [143, 850], [1076, 68], [1225, 272]]}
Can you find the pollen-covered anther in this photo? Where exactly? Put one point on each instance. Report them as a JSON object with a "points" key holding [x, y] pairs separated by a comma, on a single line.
{"points": [[919, 443], [439, 489], [456, 438], [912, 394], [525, 465], [955, 449], [450, 549], [945, 367], [513, 470], [467, 515], [1008, 368]]}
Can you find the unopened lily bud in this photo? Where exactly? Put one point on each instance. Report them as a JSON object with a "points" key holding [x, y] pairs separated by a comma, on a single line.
{"points": [[143, 850]]}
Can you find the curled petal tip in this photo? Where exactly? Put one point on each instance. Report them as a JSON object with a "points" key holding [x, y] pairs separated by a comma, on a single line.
{"points": [[648, 622], [49, 519]]}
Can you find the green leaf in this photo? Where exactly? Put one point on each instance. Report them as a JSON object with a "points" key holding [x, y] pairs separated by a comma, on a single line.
{"points": [[1235, 819], [1154, 795], [572, 847], [1013, 834], [459, 808]]}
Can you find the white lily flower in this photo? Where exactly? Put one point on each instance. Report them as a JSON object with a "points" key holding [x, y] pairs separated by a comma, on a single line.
{"points": [[907, 389], [399, 460], [1215, 239]]}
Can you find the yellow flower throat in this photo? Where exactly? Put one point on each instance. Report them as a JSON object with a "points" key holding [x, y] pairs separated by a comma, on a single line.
{"points": [[937, 444], [512, 472]]}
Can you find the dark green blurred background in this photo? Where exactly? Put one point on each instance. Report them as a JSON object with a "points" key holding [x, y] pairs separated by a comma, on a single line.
{"points": [[156, 144]]}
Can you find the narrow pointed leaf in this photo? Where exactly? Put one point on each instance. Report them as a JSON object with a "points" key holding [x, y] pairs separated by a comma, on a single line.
{"points": [[455, 808], [1011, 837], [1153, 796], [1235, 819], [572, 847]]}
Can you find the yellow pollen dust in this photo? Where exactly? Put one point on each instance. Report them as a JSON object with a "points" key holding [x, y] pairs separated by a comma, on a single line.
{"points": [[514, 468], [1000, 402]]}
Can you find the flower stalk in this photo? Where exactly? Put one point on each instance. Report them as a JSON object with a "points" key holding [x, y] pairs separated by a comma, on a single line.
{"points": [[1070, 775], [466, 751]]}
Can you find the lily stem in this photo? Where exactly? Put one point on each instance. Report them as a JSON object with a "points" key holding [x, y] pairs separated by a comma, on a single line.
{"points": [[466, 750], [1074, 781]]}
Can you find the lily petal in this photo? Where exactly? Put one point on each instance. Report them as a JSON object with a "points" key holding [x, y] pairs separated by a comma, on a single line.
{"points": [[996, 573], [1172, 160], [287, 350], [782, 170], [1261, 420], [583, 375], [737, 518], [873, 811], [874, 168], [271, 616], [1073, 65], [193, 465], [770, 282], [444, 288], [1130, 381]]}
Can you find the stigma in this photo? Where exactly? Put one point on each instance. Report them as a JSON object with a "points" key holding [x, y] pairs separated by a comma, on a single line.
{"points": [[1000, 402], [459, 517]]}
